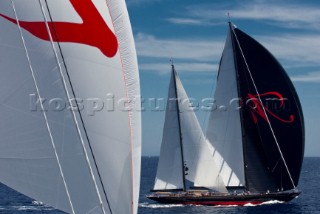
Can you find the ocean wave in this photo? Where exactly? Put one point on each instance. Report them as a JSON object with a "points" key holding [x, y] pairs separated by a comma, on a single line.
{"points": [[226, 206], [34, 208], [37, 203], [156, 206], [264, 203]]}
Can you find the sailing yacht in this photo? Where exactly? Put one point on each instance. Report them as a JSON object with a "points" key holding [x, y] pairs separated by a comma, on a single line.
{"points": [[256, 140]]}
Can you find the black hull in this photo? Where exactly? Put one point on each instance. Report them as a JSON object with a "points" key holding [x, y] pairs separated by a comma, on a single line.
{"points": [[224, 200]]}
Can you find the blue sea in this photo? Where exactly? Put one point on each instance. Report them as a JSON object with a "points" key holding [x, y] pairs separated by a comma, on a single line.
{"points": [[308, 202]]}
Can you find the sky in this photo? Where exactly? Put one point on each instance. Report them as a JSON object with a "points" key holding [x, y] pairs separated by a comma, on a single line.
{"points": [[193, 33]]}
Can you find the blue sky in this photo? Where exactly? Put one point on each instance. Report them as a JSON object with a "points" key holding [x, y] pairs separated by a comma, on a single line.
{"points": [[193, 34]]}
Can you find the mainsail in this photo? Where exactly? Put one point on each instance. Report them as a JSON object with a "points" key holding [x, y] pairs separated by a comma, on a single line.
{"points": [[170, 171], [184, 154], [60, 143], [271, 120]]}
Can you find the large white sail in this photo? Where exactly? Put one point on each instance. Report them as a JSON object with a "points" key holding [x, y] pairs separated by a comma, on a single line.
{"points": [[224, 127], [202, 169], [72, 160], [170, 167]]}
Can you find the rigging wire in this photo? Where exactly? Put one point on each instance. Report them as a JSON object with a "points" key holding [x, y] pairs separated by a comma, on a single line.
{"points": [[42, 107], [73, 114]]}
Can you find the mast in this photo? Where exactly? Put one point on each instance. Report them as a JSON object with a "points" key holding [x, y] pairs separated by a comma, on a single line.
{"points": [[240, 110], [179, 127]]}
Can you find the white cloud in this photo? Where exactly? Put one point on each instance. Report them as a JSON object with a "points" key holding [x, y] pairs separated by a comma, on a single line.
{"points": [[295, 50], [309, 77], [164, 68], [282, 13], [194, 21], [186, 21], [290, 16], [192, 49]]}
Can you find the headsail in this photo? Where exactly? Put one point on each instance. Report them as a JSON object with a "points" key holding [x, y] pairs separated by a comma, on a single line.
{"points": [[66, 158], [274, 129], [202, 169], [224, 127]]}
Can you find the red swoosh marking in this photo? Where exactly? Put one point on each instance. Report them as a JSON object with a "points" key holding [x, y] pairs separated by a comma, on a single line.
{"points": [[93, 31], [257, 107]]}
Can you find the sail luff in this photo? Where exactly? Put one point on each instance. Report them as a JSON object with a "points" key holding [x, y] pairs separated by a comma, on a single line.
{"points": [[129, 63]]}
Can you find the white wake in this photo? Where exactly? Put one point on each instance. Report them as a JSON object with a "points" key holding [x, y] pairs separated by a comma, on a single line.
{"points": [[156, 206]]}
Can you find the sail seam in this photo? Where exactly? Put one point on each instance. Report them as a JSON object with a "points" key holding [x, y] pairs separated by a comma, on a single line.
{"points": [[264, 110], [42, 107], [73, 114]]}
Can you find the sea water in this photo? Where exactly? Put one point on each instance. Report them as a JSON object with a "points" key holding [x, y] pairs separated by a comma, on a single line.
{"points": [[307, 202]]}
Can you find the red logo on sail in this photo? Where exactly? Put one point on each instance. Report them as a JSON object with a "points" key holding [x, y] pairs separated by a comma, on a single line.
{"points": [[92, 31], [257, 107]]}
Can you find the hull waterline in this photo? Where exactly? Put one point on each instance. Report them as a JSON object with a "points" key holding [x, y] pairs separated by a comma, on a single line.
{"points": [[222, 200]]}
